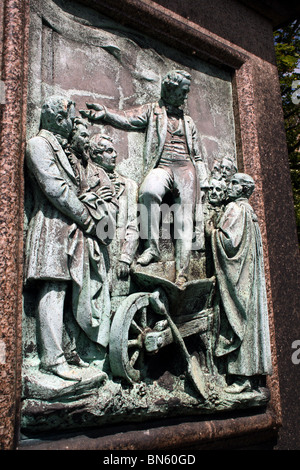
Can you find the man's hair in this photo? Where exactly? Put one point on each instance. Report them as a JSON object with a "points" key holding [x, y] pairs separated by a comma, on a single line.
{"points": [[232, 162], [78, 122], [95, 142], [247, 182], [216, 164], [53, 106], [173, 79], [220, 182]]}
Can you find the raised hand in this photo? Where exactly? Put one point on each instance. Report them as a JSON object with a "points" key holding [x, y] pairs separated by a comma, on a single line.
{"points": [[96, 112]]}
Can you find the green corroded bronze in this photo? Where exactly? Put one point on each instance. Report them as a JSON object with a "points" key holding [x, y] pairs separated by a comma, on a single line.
{"points": [[144, 292]]}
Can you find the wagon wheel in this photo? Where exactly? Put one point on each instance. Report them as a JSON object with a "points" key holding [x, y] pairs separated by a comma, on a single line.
{"points": [[131, 322]]}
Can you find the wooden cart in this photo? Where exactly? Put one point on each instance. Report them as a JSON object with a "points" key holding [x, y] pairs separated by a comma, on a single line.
{"points": [[161, 313]]}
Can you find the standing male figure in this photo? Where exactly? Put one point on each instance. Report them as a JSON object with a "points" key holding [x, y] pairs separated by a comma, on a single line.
{"points": [[89, 265], [126, 239], [172, 163], [244, 341], [216, 171], [89, 178], [59, 221], [217, 196], [228, 168], [78, 151]]}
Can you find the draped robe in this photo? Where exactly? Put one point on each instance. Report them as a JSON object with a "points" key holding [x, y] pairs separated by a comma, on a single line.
{"points": [[238, 259]]}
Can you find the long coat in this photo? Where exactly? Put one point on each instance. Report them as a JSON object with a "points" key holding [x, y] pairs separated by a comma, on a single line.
{"points": [[57, 208], [238, 258], [125, 243], [57, 246]]}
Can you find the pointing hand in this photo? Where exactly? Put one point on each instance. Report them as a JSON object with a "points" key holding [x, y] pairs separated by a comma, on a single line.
{"points": [[96, 112]]}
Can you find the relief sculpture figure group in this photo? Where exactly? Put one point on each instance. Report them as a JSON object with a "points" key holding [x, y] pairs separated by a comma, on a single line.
{"points": [[85, 234]]}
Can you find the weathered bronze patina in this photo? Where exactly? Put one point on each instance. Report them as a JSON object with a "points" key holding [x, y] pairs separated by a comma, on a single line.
{"points": [[144, 290]]}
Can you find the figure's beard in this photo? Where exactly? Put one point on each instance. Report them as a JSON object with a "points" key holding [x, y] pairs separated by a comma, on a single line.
{"points": [[215, 202], [85, 155], [81, 153]]}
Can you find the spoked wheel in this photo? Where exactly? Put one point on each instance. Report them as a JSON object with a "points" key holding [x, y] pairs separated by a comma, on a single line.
{"points": [[131, 322]]}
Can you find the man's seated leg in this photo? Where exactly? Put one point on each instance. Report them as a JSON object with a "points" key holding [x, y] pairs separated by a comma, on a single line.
{"points": [[184, 208], [153, 189]]}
